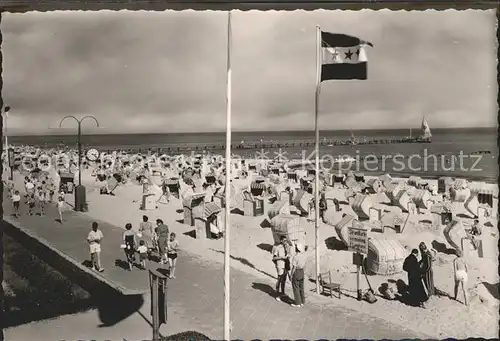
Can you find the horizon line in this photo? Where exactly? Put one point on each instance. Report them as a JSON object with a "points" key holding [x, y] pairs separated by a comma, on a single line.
{"points": [[238, 131]]}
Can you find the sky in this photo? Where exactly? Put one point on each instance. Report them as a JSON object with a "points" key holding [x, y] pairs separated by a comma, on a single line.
{"points": [[166, 71]]}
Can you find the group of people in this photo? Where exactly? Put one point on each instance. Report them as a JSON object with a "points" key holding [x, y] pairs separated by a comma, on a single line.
{"points": [[421, 277], [142, 243], [290, 260], [38, 192], [158, 239]]}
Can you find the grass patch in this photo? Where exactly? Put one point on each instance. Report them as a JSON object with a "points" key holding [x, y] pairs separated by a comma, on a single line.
{"points": [[186, 336], [34, 291]]}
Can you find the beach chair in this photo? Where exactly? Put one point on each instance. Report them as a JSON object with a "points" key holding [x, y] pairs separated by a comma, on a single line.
{"points": [[252, 207], [203, 223], [194, 207], [327, 287]]}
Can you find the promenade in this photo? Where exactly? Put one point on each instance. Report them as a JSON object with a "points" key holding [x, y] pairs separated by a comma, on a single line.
{"points": [[195, 297]]}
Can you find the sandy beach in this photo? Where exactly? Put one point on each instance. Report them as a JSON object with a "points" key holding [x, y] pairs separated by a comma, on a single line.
{"points": [[252, 240]]}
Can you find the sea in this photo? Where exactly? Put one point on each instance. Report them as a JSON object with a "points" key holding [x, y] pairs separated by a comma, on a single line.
{"points": [[470, 153]]}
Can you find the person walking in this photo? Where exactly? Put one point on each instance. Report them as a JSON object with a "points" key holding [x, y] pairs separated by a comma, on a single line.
{"points": [[416, 290], [143, 253], [146, 233], [16, 201], [130, 244], [279, 259], [41, 198], [94, 239], [52, 191], [297, 273], [60, 208], [426, 269], [163, 234], [31, 203], [460, 271], [172, 248], [29, 186]]}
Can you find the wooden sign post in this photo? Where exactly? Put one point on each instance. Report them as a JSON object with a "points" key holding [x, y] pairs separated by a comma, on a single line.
{"points": [[358, 243], [158, 285]]}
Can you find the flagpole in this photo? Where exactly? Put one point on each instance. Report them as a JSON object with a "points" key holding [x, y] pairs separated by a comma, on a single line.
{"points": [[227, 223], [316, 127]]}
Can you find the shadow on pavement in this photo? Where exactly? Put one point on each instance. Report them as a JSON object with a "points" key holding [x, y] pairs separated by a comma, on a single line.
{"points": [[246, 262], [115, 307], [267, 289]]}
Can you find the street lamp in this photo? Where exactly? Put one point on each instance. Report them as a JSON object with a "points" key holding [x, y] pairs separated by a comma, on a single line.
{"points": [[4, 117], [9, 153], [80, 194]]}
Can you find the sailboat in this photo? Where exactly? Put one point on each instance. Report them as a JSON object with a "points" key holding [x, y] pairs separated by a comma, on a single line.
{"points": [[426, 130], [353, 139]]}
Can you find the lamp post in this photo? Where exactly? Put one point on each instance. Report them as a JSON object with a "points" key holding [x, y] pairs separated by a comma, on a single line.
{"points": [[80, 194], [8, 153], [5, 116]]}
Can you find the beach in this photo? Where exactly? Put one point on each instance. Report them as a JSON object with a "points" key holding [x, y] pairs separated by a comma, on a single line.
{"points": [[252, 236]]}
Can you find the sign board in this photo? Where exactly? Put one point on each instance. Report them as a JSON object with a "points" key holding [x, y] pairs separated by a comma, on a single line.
{"points": [[358, 238]]}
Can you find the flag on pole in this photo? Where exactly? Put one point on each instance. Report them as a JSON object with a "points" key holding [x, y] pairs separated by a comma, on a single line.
{"points": [[343, 57]]}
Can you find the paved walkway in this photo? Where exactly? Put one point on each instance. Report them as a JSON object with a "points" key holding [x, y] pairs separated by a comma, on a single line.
{"points": [[195, 297]]}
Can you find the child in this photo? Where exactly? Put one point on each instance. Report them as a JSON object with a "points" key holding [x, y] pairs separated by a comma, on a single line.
{"points": [[60, 207], [172, 247], [31, 203], [16, 199], [143, 253], [460, 271]]}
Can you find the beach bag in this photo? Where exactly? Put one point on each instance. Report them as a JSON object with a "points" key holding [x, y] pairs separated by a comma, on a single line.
{"points": [[370, 297]]}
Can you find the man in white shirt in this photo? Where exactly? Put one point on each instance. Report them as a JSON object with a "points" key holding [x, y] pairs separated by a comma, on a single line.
{"points": [[94, 239], [30, 187]]}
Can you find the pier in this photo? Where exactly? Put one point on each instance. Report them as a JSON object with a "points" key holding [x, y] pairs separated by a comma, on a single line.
{"points": [[189, 147]]}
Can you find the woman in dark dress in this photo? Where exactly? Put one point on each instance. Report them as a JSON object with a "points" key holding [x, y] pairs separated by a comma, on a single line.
{"points": [[130, 245], [416, 290], [426, 268]]}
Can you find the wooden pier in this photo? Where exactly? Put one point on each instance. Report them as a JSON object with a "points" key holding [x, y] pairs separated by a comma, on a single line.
{"points": [[201, 147]]}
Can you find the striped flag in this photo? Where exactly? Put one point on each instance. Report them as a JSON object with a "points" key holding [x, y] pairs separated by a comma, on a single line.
{"points": [[343, 57]]}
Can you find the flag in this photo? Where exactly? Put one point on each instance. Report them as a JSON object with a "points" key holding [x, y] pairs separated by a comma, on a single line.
{"points": [[343, 57]]}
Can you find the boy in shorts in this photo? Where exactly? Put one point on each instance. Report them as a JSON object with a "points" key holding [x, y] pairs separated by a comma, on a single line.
{"points": [[172, 247]]}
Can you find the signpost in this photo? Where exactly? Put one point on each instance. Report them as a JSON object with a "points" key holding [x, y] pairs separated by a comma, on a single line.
{"points": [[158, 285], [358, 243]]}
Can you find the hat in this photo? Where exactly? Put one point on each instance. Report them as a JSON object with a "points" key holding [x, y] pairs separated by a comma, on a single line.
{"points": [[299, 247]]}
